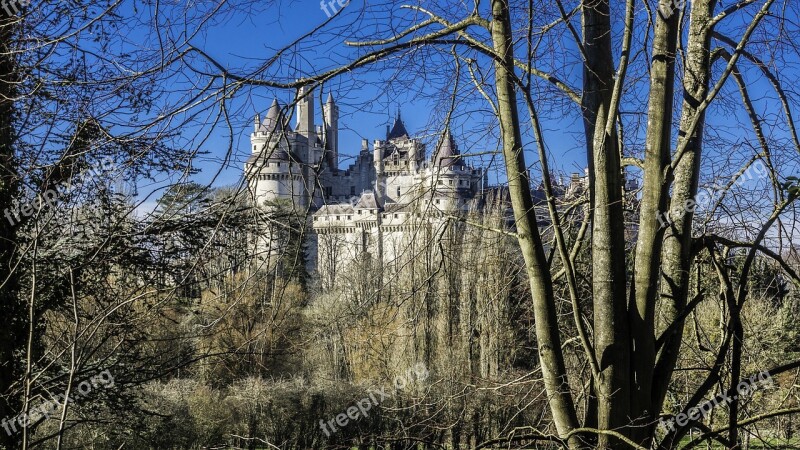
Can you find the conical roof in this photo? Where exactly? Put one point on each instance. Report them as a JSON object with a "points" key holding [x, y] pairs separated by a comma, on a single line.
{"points": [[398, 130], [447, 153], [275, 119]]}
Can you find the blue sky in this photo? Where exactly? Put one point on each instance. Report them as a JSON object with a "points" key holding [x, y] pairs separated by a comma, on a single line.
{"points": [[243, 39]]}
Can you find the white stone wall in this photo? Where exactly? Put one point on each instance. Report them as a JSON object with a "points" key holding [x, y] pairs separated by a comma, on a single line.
{"points": [[279, 180]]}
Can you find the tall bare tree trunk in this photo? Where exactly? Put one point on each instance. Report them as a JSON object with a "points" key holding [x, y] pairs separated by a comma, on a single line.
{"points": [[677, 240], [547, 333], [655, 194], [611, 333]]}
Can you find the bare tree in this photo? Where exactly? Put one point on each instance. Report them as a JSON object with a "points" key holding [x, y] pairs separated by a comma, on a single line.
{"points": [[649, 82]]}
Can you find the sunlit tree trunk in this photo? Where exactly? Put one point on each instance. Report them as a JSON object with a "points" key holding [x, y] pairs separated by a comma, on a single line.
{"points": [[655, 194], [547, 333], [611, 334]]}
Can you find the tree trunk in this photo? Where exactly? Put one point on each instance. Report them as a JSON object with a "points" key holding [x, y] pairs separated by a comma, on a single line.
{"points": [[611, 333], [655, 194], [547, 333], [677, 241]]}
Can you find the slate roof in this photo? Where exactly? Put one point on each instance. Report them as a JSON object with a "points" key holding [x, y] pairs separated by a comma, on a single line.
{"points": [[398, 130]]}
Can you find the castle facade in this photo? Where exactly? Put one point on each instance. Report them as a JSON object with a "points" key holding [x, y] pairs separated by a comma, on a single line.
{"points": [[389, 204], [374, 207]]}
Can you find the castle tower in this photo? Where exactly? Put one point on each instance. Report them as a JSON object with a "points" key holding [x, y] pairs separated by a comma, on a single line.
{"points": [[270, 130], [447, 153], [330, 114], [398, 130], [272, 171], [380, 179], [308, 149], [305, 115]]}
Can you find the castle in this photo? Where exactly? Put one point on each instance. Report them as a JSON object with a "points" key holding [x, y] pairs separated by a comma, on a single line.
{"points": [[367, 207], [390, 197]]}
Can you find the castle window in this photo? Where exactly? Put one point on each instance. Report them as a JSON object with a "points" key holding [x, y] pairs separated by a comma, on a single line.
{"points": [[254, 148], [451, 182], [437, 201], [338, 217], [398, 192], [395, 216], [359, 212], [349, 217]]}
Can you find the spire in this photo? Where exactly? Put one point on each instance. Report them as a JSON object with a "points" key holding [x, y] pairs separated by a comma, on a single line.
{"points": [[273, 113], [330, 113], [398, 130], [447, 152], [274, 118]]}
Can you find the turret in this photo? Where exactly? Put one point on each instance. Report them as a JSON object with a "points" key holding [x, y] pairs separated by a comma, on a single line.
{"points": [[330, 114], [398, 130], [275, 120], [380, 182], [305, 115], [447, 153], [268, 130]]}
